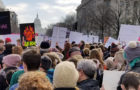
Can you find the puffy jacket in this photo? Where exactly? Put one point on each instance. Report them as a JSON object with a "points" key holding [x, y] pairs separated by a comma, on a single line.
{"points": [[89, 84], [136, 69]]}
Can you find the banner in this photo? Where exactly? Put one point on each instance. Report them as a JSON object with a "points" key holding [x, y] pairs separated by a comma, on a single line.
{"points": [[111, 79], [27, 33], [5, 25]]}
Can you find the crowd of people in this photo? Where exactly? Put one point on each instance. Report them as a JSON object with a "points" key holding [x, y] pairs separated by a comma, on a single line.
{"points": [[76, 67]]}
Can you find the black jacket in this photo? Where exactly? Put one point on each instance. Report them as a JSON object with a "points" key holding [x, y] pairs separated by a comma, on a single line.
{"points": [[89, 84], [3, 73]]}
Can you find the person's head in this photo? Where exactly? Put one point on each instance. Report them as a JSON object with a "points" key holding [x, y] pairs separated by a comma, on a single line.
{"points": [[86, 69], [87, 46], [82, 45], [1, 49], [46, 63], [8, 40], [34, 81], [75, 59], [18, 42], [92, 47], [95, 54], [132, 53], [86, 51], [119, 60], [1, 42], [67, 46], [74, 51], [73, 43], [109, 63], [17, 50], [113, 49], [31, 60], [100, 52], [11, 60], [54, 57], [131, 81], [44, 47], [65, 75]]}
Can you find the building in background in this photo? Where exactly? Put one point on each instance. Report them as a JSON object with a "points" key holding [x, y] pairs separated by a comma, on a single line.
{"points": [[13, 18], [38, 27], [100, 17], [2, 7]]}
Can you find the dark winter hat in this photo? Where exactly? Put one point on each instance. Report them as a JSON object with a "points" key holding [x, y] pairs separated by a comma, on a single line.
{"points": [[46, 63], [132, 52], [114, 48], [44, 45]]}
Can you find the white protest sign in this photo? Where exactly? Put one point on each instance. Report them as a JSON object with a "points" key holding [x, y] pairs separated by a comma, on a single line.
{"points": [[129, 33], [59, 36], [111, 79], [40, 38], [13, 37], [110, 41], [75, 36]]}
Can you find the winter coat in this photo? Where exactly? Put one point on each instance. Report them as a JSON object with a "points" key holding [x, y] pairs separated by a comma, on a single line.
{"points": [[136, 69], [15, 77], [50, 74], [3, 83], [89, 84]]}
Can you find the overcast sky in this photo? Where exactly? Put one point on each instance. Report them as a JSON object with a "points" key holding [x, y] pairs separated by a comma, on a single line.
{"points": [[50, 11]]}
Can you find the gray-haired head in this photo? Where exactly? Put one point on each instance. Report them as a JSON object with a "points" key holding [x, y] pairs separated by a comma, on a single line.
{"points": [[88, 66]]}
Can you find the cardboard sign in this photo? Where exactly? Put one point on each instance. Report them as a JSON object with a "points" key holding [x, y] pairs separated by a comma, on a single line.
{"points": [[111, 79], [59, 37], [5, 25], [129, 33], [27, 33]]}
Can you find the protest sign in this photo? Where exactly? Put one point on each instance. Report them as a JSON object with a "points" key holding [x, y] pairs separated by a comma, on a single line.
{"points": [[110, 41], [5, 25], [59, 36], [27, 33], [13, 37], [75, 36], [129, 33], [111, 79]]}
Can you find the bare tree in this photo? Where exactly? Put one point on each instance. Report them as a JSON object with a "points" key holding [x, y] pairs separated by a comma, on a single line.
{"points": [[101, 20]]}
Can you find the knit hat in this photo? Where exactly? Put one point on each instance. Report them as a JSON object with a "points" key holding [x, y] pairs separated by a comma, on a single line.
{"points": [[132, 52], [65, 75], [8, 40], [11, 60], [44, 45], [114, 48], [46, 63]]}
